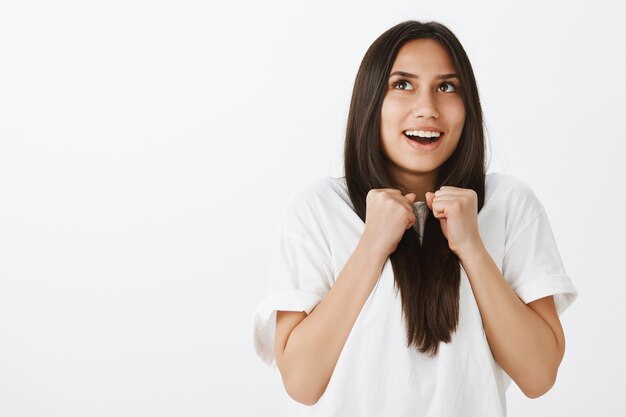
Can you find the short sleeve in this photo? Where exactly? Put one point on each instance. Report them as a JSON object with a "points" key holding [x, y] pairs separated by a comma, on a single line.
{"points": [[300, 274], [533, 267]]}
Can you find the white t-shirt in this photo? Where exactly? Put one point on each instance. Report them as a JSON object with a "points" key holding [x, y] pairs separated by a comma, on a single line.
{"points": [[376, 374]]}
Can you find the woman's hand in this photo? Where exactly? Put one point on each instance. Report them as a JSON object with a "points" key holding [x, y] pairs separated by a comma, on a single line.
{"points": [[457, 211], [388, 215]]}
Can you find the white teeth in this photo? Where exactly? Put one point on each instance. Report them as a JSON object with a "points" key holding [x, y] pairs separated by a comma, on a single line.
{"points": [[423, 133]]}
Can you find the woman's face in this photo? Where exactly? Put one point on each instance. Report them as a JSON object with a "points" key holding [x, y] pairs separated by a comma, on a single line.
{"points": [[422, 95]]}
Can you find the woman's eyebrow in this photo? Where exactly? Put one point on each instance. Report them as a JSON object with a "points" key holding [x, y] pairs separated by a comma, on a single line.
{"points": [[409, 75]]}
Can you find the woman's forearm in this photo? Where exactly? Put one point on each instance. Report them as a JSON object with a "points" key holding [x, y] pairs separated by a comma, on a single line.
{"points": [[522, 343], [314, 346]]}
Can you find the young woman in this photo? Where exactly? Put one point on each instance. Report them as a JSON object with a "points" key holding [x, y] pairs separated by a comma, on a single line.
{"points": [[416, 285]]}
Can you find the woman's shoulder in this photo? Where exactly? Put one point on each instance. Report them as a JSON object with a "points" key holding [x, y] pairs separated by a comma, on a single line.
{"points": [[507, 186], [317, 191], [512, 194], [315, 201]]}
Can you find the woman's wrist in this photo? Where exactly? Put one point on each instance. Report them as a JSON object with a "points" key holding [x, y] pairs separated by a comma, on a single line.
{"points": [[369, 248]]}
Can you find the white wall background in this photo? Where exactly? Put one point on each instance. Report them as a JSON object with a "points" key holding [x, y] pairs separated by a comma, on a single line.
{"points": [[147, 149]]}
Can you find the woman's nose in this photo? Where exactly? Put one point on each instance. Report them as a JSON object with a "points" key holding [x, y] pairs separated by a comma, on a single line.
{"points": [[425, 105]]}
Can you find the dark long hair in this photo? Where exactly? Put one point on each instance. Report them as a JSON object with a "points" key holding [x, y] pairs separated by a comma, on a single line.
{"points": [[427, 274]]}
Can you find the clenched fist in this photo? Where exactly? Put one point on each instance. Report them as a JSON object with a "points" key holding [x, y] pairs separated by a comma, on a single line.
{"points": [[388, 215]]}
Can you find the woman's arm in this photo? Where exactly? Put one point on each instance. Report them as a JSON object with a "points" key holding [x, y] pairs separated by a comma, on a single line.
{"points": [[526, 340], [313, 347]]}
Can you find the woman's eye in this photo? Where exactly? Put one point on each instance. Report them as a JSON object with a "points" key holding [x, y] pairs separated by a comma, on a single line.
{"points": [[403, 85], [449, 85]]}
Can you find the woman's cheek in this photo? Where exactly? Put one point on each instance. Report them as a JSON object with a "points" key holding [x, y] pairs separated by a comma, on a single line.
{"points": [[393, 109]]}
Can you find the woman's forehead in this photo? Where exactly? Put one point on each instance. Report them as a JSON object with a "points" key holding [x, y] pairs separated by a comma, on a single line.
{"points": [[425, 56]]}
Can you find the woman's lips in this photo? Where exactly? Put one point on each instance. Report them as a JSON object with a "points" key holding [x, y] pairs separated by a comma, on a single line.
{"points": [[424, 146]]}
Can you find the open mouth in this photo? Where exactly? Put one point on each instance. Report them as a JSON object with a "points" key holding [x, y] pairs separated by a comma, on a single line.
{"points": [[423, 139]]}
